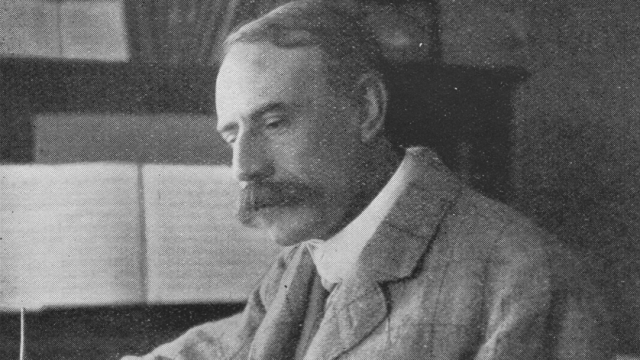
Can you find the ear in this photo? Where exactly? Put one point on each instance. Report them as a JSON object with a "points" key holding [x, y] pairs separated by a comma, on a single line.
{"points": [[372, 98]]}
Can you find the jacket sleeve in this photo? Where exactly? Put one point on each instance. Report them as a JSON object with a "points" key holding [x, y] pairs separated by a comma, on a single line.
{"points": [[228, 338], [540, 305]]}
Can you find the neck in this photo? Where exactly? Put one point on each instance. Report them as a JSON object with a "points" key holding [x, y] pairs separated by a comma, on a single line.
{"points": [[379, 167], [381, 163]]}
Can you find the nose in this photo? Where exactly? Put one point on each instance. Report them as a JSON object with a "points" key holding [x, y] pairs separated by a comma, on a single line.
{"points": [[251, 160]]}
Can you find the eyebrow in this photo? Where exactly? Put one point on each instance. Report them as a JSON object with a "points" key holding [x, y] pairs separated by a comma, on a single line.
{"points": [[259, 112], [267, 108]]}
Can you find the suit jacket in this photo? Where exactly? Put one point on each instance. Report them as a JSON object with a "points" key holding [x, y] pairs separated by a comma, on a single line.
{"points": [[449, 274]]}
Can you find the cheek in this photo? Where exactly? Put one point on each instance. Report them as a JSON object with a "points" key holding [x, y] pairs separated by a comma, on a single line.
{"points": [[334, 164], [312, 163], [323, 150], [339, 148]]}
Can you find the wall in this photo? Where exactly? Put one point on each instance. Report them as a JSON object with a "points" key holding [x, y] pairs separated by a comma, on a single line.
{"points": [[576, 161], [578, 137], [128, 91]]}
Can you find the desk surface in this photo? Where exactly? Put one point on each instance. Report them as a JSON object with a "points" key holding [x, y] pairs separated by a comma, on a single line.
{"points": [[102, 333]]}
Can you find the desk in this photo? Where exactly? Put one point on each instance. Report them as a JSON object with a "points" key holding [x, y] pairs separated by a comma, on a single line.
{"points": [[103, 333]]}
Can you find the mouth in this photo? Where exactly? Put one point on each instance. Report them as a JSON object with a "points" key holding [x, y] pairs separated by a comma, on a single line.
{"points": [[266, 205]]}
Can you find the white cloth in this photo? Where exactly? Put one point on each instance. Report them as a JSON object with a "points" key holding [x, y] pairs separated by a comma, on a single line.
{"points": [[335, 257]]}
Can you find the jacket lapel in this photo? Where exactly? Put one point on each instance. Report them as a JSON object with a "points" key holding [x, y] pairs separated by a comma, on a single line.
{"points": [[354, 309], [359, 304]]}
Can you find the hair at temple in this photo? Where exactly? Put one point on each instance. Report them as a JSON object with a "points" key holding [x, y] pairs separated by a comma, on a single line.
{"points": [[341, 32]]}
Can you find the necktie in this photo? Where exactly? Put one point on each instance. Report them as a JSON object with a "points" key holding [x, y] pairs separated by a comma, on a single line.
{"points": [[313, 317]]}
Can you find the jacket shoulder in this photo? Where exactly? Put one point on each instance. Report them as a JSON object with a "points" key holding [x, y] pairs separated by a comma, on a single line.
{"points": [[490, 229], [500, 236]]}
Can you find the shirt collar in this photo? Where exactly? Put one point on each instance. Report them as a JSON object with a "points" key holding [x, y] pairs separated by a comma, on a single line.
{"points": [[337, 256]]}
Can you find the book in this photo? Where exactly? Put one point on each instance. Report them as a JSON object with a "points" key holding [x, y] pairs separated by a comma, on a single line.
{"points": [[112, 233]]}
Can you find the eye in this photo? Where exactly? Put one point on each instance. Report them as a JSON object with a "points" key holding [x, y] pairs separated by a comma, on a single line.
{"points": [[274, 122]]}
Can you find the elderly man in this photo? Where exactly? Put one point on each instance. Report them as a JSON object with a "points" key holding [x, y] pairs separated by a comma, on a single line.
{"points": [[388, 255]]}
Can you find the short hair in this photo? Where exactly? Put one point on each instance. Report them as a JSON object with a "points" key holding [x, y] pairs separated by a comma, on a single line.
{"points": [[349, 46]]}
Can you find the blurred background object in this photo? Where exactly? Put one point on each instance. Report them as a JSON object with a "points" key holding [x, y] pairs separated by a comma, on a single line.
{"points": [[64, 29]]}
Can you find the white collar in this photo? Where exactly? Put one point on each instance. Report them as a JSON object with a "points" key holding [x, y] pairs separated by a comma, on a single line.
{"points": [[337, 256]]}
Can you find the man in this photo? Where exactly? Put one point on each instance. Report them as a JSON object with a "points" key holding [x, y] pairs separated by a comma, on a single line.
{"points": [[388, 255]]}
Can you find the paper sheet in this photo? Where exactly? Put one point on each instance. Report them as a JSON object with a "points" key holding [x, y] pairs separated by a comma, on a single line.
{"points": [[69, 235], [196, 249]]}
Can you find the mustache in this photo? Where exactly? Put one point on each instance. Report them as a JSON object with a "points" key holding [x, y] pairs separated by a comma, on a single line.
{"points": [[262, 194], [258, 195]]}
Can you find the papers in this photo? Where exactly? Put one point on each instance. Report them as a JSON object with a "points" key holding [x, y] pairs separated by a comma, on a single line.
{"points": [[197, 250], [99, 233], [92, 30], [69, 235], [29, 28]]}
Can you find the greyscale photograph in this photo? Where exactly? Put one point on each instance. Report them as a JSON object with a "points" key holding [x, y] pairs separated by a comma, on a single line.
{"points": [[320, 179]]}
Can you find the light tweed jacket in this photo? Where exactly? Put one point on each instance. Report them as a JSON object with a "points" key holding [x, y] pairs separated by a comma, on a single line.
{"points": [[449, 274]]}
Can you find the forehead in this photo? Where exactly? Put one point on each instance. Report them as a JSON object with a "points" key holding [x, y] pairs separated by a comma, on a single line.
{"points": [[254, 74]]}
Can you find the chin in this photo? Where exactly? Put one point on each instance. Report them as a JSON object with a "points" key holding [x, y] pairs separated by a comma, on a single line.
{"points": [[286, 238]]}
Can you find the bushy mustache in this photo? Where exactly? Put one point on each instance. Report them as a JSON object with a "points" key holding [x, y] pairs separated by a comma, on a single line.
{"points": [[263, 194]]}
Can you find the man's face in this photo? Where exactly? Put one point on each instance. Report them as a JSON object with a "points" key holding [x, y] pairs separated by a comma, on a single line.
{"points": [[296, 142]]}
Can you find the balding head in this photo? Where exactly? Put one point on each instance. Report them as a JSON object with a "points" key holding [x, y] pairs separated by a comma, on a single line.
{"points": [[338, 29]]}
